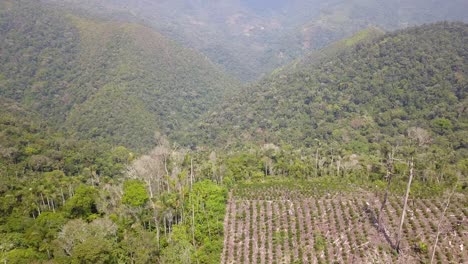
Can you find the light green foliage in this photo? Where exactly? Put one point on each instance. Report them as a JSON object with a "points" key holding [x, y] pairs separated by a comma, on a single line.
{"points": [[442, 125], [243, 166], [422, 247], [135, 193], [319, 242], [23, 256], [209, 203]]}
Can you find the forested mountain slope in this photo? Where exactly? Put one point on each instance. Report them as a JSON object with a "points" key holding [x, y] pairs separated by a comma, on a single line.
{"points": [[407, 83], [116, 81], [253, 37]]}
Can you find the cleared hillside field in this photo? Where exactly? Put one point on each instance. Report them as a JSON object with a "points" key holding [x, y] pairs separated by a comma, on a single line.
{"points": [[305, 223]]}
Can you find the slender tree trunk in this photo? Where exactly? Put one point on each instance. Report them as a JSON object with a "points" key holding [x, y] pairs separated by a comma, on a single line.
{"points": [[165, 165], [158, 184], [42, 198], [48, 203], [316, 163], [53, 205], [207, 221], [157, 233], [191, 173], [150, 188], [70, 191], [193, 224], [338, 165], [389, 177], [181, 216], [397, 244], [441, 219], [63, 196]]}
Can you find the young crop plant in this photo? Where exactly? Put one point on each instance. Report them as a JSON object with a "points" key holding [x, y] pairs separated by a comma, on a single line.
{"points": [[252, 236], [292, 226]]}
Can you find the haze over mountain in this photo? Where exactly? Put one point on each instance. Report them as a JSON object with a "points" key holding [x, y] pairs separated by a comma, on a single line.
{"points": [[251, 38]]}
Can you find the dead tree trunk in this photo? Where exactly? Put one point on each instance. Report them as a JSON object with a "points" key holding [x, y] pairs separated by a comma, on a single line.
{"points": [[441, 219], [191, 173], [403, 214], [316, 163], [157, 233], [193, 224], [63, 196]]}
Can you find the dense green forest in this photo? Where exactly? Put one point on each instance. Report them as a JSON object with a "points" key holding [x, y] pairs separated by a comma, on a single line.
{"points": [[408, 84], [104, 80], [120, 145]]}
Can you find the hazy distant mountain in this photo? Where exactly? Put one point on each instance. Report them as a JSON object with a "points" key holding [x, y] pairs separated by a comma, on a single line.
{"points": [[102, 79], [250, 38]]}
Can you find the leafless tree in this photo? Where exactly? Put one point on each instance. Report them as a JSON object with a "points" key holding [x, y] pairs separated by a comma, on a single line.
{"points": [[405, 204], [441, 220], [420, 135]]}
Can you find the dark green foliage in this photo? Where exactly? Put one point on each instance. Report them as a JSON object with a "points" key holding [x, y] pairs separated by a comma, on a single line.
{"points": [[93, 250], [44, 229], [83, 203], [140, 245]]}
